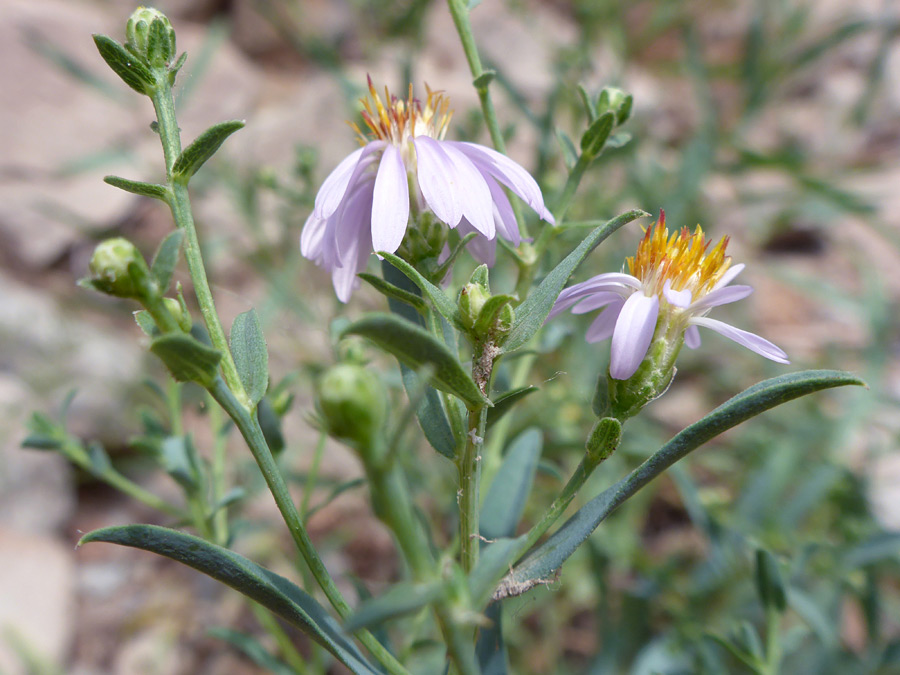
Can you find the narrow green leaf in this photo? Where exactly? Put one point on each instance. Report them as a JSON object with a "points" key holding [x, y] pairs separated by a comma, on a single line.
{"points": [[272, 591], [491, 648], [590, 105], [390, 291], [530, 315], [130, 68], [569, 153], [270, 423], [204, 147], [505, 402], [769, 583], [494, 560], [416, 347], [401, 599], [335, 492], [41, 442], [188, 359], [138, 188], [441, 270], [99, 459], [165, 260], [755, 400], [594, 138], [251, 358], [505, 501], [178, 460], [444, 305]]}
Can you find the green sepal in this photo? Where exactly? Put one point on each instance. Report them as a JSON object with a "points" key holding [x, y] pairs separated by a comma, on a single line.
{"points": [[175, 67], [388, 290], [251, 357], [271, 590], [204, 147], [187, 359], [533, 311], [481, 276], [593, 140], [401, 599], [146, 323], [166, 258], [135, 187], [590, 106], [444, 305], [418, 348], [505, 402], [133, 70], [496, 316], [160, 48]]}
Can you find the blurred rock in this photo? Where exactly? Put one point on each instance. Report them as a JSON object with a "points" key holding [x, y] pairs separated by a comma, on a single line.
{"points": [[36, 587]]}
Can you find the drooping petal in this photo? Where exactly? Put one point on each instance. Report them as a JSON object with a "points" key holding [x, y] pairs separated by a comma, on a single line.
{"points": [[353, 225], [504, 216], [334, 188], [436, 176], [729, 275], [508, 172], [598, 284], [721, 296], [603, 326], [744, 338], [311, 237], [390, 202], [632, 335], [358, 248], [596, 301], [692, 337], [474, 193]]}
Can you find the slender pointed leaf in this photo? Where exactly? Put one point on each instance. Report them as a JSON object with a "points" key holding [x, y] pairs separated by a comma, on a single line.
{"points": [[138, 187], [416, 347], [594, 138], [204, 147], [401, 599], [532, 313], [506, 498], [251, 358], [133, 71], [757, 399], [444, 305], [505, 402], [388, 290], [163, 266], [265, 587]]}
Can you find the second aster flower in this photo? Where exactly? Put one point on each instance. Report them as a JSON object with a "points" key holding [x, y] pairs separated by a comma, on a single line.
{"points": [[405, 163], [673, 282]]}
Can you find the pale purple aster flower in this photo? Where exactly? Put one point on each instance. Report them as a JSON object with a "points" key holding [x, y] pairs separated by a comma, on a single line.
{"points": [[673, 284], [364, 204]]}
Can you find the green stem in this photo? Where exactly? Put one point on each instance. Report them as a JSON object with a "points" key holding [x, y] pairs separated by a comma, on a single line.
{"points": [[773, 641], [469, 465], [180, 205], [285, 647], [460, 13], [572, 182], [312, 476], [220, 519], [248, 424]]}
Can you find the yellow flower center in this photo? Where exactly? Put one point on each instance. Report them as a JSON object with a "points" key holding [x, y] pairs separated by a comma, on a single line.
{"points": [[682, 259], [396, 120]]}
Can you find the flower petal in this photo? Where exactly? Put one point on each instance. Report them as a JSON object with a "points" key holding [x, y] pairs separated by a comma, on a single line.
{"points": [[721, 296], [484, 250], [390, 202], [613, 282], [504, 216], [744, 338], [729, 276], [474, 193], [353, 226], [603, 326], [436, 176], [334, 188], [692, 337], [680, 299], [508, 172], [312, 236], [632, 335], [596, 301]]}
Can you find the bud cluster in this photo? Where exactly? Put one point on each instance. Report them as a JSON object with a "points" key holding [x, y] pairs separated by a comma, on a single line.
{"points": [[486, 317]]}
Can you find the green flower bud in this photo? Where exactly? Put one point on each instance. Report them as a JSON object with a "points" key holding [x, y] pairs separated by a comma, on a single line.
{"points": [[109, 268], [471, 301], [179, 313], [353, 404], [615, 100], [149, 34]]}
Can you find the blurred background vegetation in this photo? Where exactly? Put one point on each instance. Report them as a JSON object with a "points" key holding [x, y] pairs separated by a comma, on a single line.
{"points": [[776, 123]]}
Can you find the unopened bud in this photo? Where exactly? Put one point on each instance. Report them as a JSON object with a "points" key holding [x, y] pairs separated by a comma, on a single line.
{"points": [[615, 100], [182, 318], [149, 34], [471, 301], [353, 404], [109, 268]]}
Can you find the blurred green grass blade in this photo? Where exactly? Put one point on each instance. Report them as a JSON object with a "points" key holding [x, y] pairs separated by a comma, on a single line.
{"points": [[757, 399], [505, 501], [505, 402], [250, 647], [399, 600], [270, 590], [491, 647]]}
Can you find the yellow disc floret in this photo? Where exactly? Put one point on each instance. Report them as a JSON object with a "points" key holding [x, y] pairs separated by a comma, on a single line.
{"points": [[682, 259], [396, 121]]}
